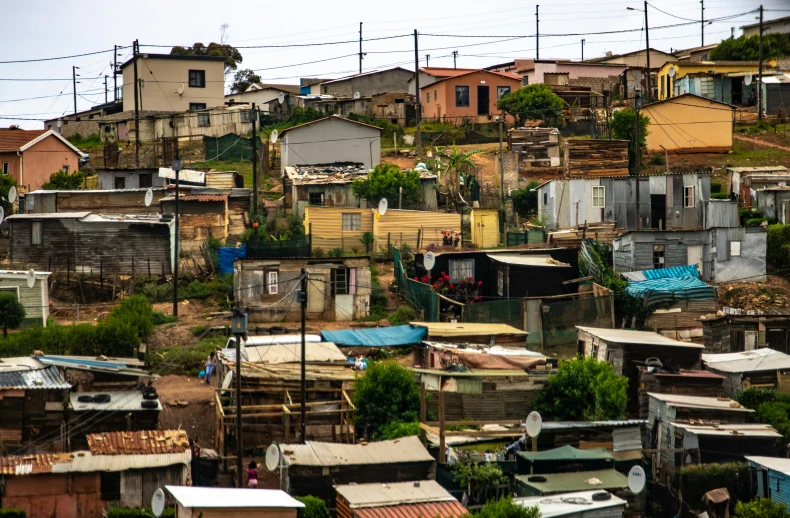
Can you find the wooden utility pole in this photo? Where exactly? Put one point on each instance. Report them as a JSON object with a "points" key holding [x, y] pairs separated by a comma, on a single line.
{"points": [[255, 222], [702, 23], [760, 72], [303, 387], [137, 110], [74, 86], [647, 50], [360, 47], [537, 34], [418, 107]]}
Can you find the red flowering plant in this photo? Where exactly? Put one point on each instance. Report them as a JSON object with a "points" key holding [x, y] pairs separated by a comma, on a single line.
{"points": [[466, 290]]}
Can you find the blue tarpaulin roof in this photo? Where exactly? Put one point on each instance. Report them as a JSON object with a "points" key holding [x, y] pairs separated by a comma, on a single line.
{"points": [[228, 255], [377, 337], [668, 284]]}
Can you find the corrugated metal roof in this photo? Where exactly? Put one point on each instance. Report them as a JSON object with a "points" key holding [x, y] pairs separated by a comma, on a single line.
{"points": [[562, 425], [748, 361], [569, 503], [759, 169], [141, 442], [231, 497], [677, 400], [288, 353], [779, 464], [44, 379], [50, 215], [126, 401], [625, 336], [527, 260], [405, 449], [566, 453], [85, 462], [116, 366], [476, 373], [450, 330], [578, 481], [31, 464], [198, 197], [432, 510], [731, 430], [378, 495]]}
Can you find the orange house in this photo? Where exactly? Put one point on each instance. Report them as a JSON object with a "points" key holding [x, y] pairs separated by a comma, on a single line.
{"points": [[31, 156], [472, 95]]}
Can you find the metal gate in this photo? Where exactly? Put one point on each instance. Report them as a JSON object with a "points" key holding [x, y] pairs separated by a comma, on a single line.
{"points": [[169, 150], [111, 155]]}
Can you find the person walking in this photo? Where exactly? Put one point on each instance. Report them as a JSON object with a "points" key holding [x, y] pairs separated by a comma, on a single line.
{"points": [[252, 475], [211, 363]]}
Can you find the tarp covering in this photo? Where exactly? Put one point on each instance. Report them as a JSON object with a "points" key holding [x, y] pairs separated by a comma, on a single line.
{"points": [[498, 361], [670, 284], [228, 255], [377, 337]]}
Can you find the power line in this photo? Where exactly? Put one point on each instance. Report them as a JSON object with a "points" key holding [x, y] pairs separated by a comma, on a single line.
{"points": [[58, 57]]}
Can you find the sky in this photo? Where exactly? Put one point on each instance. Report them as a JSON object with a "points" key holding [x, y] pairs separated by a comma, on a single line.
{"points": [[483, 33]]}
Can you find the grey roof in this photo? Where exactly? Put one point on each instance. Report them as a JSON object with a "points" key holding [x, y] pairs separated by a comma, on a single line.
{"points": [[681, 401], [779, 464], [50, 215], [405, 449], [379, 495], [765, 359], [627, 336], [122, 401], [527, 260], [48, 378], [563, 425], [288, 353], [730, 430]]}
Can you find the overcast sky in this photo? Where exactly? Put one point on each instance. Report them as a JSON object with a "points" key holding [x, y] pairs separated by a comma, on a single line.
{"points": [[46, 28]]}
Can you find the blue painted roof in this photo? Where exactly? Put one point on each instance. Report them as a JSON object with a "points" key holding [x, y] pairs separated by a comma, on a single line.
{"points": [[377, 337]]}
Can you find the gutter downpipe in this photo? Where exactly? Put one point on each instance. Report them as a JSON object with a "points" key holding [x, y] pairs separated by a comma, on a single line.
{"points": [[21, 163]]}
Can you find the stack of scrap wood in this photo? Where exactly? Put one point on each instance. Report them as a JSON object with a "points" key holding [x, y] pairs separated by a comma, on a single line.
{"points": [[604, 232], [595, 158], [536, 147]]}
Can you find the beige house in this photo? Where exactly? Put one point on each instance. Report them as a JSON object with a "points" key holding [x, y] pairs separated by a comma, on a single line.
{"points": [[174, 83], [637, 58], [689, 123]]}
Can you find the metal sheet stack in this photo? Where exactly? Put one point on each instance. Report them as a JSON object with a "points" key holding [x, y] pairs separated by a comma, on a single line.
{"points": [[536, 147]]}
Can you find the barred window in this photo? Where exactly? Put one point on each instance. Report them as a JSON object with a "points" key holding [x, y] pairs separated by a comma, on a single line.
{"points": [[352, 221], [461, 269]]}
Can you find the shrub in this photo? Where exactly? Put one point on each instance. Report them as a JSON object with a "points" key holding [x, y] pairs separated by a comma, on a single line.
{"points": [[385, 393], [12, 513], [698, 479], [63, 181], [761, 508], [778, 253], [403, 315], [397, 429], [136, 311], [158, 318], [719, 196], [525, 202], [624, 128], [12, 312], [506, 508], [475, 475], [715, 187], [314, 507]]}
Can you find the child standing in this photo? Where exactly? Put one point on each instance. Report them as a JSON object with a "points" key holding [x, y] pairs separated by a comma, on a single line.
{"points": [[252, 475], [211, 362]]}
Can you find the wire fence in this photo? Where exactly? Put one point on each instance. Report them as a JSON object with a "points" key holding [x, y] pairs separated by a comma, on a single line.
{"points": [[420, 296]]}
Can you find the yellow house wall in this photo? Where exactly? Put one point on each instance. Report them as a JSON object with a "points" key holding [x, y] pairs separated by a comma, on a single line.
{"points": [[162, 78], [327, 227], [485, 227], [689, 124], [682, 69]]}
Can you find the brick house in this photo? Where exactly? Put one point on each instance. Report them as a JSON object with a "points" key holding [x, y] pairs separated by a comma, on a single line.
{"points": [[472, 95], [31, 156]]}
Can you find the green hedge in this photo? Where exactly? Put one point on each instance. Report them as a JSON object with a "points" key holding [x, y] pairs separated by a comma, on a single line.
{"points": [[698, 479], [778, 254], [122, 512], [12, 513], [314, 507]]}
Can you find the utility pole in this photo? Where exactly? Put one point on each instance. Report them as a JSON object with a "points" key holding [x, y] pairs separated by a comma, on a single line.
{"points": [[702, 22], [74, 85], [137, 119], [637, 106], [732, 33], [647, 53], [427, 60], [360, 47], [501, 160], [582, 49], [176, 166], [537, 34], [115, 72], [455, 55], [105, 89], [303, 388], [255, 223], [239, 324], [760, 72], [419, 95]]}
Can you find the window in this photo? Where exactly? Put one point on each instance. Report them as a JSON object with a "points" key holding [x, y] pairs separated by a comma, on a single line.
{"points": [[316, 198], [197, 78], [688, 196], [352, 221], [197, 106], [399, 101], [120, 182], [36, 236], [594, 351], [146, 180], [706, 88], [545, 198], [272, 282], [500, 283], [204, 119], [110, 482], [341, 280], [5, 167], [462, 97], [434, 95], [461, 269], [735, 248], [598, 196], [658, 256], [65, 168], [427, 97], [502, 91]]}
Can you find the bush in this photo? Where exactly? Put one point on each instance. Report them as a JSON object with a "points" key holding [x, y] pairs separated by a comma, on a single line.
{"points": [[397, 429], [403, 315], [525, 202], [219, 288], [761, 508], [12, 312], [715, 187], [122, 512], [778, 253], [137, 312], [63, 181], [158, 318], [314, 507], [624, 128], [719, 196], [387, 392], [13, 513], [698, 479], [506, 508]]}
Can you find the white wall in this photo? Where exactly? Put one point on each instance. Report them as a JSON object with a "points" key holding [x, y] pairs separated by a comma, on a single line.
{"points": [[329, 141]]}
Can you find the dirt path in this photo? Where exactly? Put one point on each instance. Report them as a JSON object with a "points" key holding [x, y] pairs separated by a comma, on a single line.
{"points": [[197, 417], [759, 142]]}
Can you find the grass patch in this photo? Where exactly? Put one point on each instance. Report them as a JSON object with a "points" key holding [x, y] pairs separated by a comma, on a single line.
{"points": [[186, 360], [160, 318], [744, 155], [217, 289]]}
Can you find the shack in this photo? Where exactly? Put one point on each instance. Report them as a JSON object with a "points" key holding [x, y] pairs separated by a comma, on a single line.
{"points": [[760, 368], [561, 483], [109, 201], [35, 299], [314, 468], [734, 330], [221, 502], [564, 459], [535, 147], [337, 289], [97, 412], [662, 380], [441, 355], [744, 182], [492, 334], [773, 477], [92, 243], [711, 443], [419, 498], [582, 504]]}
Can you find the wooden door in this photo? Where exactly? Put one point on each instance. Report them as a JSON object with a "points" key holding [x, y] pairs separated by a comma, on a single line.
{"points": [[317, 283], [483, 100]]}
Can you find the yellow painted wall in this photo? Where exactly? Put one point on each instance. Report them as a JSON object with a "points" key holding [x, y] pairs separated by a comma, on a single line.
{"points": [[689, 123], [327, 227], [485, 227], [682, 68]]}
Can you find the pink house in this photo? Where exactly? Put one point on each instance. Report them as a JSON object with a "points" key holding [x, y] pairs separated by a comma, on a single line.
{"points": [[555, 72]]}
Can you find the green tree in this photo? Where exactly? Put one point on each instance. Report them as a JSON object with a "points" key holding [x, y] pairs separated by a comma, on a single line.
{"points": [[775, 45], [387, 392], [525, 202], [454, 162], [397, 429], [12, 312], [231, 54], [761, 508], [624, 128], [6, 182], [242, 80], [63, 181], [475, 475], [533, 102], [506, 508], [314, 507], [583, 389], [384, 182]]}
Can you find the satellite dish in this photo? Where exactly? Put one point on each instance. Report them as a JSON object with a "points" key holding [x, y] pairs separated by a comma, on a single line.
{"points": [[158, 502], [180, 90], [616, 110], [2, 214], [60, 123], [227, 380], [149, 197], [31, 278], [274, 136], [636, 479], [272, 457], [357, 95], [534, 424], [383, 206], [429, 261], [747, 79], [672, 71], [281, 98], [12, 194]]}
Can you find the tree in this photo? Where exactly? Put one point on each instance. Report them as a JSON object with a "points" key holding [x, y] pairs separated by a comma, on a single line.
{"points": [[506, 508], [775, 45], [6, 182], [314, 507], [476, 476], [624, 128], [387, 392], [384, 182], [242, 80], [533, 102], [397, 429], [12, 312], [231, 54], [63, 181], [454, 162], [525, 202], [583, 389], [761, 508]]}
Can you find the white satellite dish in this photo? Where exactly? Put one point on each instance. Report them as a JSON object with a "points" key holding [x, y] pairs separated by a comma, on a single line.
{"points": [[616, 110], [158, 502], [747, 79], [281, 98], [429, 261], [180, 90], [272, 457], [383, 206], [227, 380], [149, 197], [31, 278], [2, 214], [357, 95], [636, 479], [672, 71], [274, 136], [534, 424], [12, 194]]}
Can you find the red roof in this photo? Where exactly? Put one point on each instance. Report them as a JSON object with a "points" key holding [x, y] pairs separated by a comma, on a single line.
{"points": [[452, 509], [145, 442], [507, 75], [12, 139]]}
